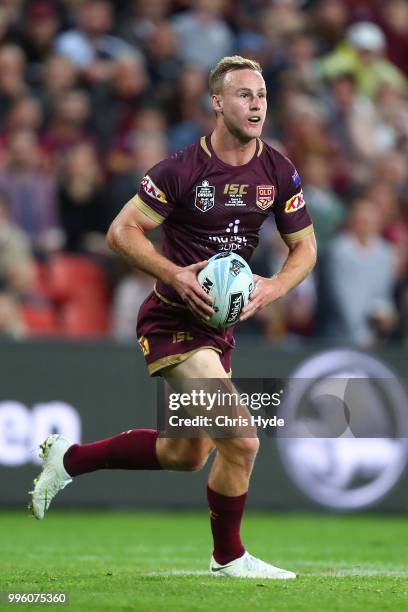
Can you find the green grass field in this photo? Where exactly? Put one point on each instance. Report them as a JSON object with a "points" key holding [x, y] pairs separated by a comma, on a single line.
{"points": [[158, 561]]}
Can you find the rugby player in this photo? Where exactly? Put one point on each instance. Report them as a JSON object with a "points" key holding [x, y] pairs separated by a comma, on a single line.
{"points": [[211, 196]]}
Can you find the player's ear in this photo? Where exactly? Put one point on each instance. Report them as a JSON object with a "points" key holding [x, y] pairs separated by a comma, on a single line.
{"points": [[216, 103]]}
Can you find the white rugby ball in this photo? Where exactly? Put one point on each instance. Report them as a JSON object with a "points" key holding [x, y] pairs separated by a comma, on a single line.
{"points": [[228, 279]]}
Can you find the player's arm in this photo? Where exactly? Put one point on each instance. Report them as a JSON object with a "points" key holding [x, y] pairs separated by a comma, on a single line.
{"points": [[300, 262], [127, 237]]}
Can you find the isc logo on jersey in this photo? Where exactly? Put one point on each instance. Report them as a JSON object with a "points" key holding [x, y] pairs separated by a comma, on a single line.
{"points": [[295, 203], [152, 190]]}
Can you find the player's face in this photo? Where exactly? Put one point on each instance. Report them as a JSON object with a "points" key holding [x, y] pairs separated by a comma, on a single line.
{"points": [[243, 103]]}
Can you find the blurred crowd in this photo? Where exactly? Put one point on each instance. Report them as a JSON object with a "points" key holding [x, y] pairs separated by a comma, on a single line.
{"points": [[93, 93]]}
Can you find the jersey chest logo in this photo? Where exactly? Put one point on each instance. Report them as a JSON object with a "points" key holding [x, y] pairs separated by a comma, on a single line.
{"points": [[204, 196], [265, 195]]}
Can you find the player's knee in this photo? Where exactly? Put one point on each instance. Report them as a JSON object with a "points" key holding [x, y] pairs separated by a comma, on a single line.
{"points": [[243, 451], [192, 462], [247, 447]]}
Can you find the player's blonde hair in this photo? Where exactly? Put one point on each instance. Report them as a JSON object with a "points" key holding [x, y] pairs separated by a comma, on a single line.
{"points": [[227, 64]]}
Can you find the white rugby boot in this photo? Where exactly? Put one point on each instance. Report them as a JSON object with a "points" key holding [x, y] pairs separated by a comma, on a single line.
{"points": [[248, 566], [53, 477]]}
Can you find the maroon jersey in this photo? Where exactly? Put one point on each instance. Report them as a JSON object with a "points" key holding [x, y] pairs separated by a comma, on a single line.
{"points": [[207, 206]]}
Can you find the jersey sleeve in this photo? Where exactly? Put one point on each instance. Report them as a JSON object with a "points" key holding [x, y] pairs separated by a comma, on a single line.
{"points": [[292, 218], [158, 191]]}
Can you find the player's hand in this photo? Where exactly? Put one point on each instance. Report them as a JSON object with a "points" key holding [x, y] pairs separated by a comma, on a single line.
{"points": [[186, 284], [266, 290]]}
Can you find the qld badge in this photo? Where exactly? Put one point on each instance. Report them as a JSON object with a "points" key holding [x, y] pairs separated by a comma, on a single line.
{"points": [[265, 195]]}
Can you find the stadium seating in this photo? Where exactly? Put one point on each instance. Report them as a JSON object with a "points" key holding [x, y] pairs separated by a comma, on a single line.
{"points": [[76, 301], [71, 275], [40, 320]]}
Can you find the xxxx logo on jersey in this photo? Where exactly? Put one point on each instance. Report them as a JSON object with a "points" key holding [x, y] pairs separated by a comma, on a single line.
{"points": [[265, 195], [295, 203], [152, 190]]}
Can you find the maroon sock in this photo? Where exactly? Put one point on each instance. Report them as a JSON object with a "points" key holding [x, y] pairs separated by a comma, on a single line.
{"points": [[132, 450], [226, 514]]}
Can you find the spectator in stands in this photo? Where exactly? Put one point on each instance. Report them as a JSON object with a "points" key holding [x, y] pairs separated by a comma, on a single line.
{"points": [[31, 192], [300, 65], [129, 294], [329, 23], [204, 34], [189, 111], [40, 26], [280, 20], [355, 125], [394, 227], [326, 209], [90, 46], [68, 124], [189, 91], [291, 315], [391, 169], [362, 54], [148, 123], [305, 129], [163, 63], [392, 16], [116, 105], [255, 46], [148, 127], [403, 310], [12, 79], [186, 132], [21, 281], [25, 114], [391, 105], [11, 320], [81, 200], [14, 243], [144, 20], [59, 76], [360, 278], [13, 9], [145, 147], [5, 24]]}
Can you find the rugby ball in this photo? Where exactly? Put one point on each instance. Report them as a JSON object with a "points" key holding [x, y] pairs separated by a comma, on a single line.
{"points": [[228, 279]]}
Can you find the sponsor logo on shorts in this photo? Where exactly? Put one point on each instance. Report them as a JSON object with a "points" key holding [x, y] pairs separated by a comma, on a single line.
{"points": [[265, 195], [152, 190], [144, 345], [295, 203], [204, 196], [236, 303], [182, 336]]}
